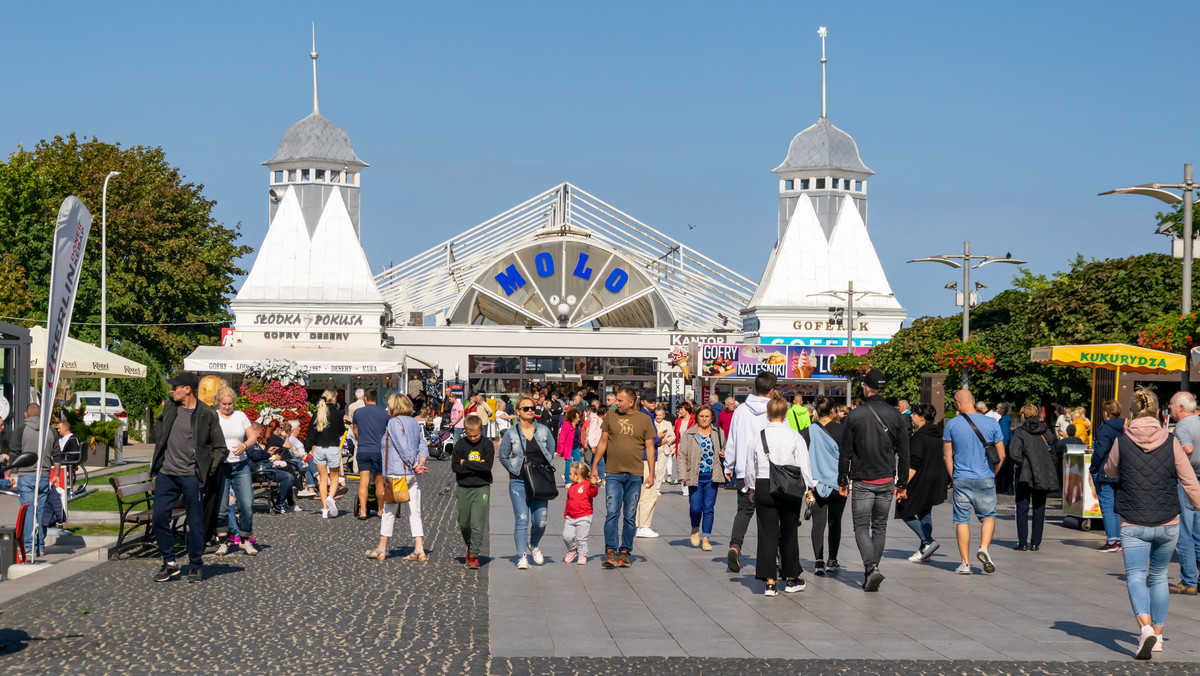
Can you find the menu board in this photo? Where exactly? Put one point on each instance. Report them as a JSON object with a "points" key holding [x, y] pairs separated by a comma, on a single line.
{"points": [[787, 362]]}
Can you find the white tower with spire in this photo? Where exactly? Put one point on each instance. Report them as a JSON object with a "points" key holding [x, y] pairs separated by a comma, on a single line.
{"points": [[311, 284], [822, 244]]}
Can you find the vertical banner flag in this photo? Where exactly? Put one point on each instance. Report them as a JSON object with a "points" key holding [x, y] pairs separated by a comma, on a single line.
{"points": [[70, 241]]}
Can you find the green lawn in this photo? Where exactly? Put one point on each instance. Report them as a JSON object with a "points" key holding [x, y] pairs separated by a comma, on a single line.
{"points": [[100, 501], [94, 529], [125, 472]]}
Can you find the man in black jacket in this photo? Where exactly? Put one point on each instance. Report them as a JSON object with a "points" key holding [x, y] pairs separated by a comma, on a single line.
{"points": [[874, 455], [187, 462]]}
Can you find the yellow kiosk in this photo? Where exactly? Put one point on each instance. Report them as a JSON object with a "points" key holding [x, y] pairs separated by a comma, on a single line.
{"points": [[1107, 362]]}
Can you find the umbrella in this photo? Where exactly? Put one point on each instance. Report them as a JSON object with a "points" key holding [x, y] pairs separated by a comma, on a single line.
{"points": [[83, 360], [1113, 356]]}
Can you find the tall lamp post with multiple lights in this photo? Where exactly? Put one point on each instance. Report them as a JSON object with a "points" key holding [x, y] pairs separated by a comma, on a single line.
{"points": [[963, 260], [104, 302], [1158, 191], [849, 295]]}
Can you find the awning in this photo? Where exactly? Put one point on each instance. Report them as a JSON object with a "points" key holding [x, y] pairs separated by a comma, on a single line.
{"points": [[1116, 357], [318, 361], [83, 360]]}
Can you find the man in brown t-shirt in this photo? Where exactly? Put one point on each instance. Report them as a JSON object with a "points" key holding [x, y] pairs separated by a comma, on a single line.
{"points": [[627, 436]]}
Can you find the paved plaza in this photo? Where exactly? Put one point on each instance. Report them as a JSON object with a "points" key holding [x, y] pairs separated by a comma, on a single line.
{"points": [[312, 603]]}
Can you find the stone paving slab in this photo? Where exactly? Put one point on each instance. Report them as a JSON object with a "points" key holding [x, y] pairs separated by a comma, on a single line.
{"points": [[312, 603], [1066, 602]]}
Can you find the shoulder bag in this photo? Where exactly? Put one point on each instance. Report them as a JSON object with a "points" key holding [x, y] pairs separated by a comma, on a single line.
{"points": [[993, 453], [395, 489], [538, 474], [786, 482]]}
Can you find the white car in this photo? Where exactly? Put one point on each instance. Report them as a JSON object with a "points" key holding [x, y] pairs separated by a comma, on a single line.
{"points": [[92, 413]]}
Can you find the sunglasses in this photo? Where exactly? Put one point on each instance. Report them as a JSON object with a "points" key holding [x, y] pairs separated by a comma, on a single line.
{"points": [[527, 408]]}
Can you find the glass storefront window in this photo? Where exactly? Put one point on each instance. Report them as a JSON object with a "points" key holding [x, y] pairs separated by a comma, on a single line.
{"points": [[543, 365], [497, 365], [630, 366]]}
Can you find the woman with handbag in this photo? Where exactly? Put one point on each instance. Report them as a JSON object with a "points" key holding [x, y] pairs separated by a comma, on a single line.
{"points": [[1037, 475], [701, 466], [778, 474], [404, 455], [526, 451], [927, 480]]}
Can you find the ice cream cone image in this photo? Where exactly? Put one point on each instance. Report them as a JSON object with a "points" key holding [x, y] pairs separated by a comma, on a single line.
{"points": [[687, 370], [803, 365]]}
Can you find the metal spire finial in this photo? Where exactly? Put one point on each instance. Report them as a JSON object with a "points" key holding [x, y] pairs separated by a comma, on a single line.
{"points": [[822, 31], [313, 55]]}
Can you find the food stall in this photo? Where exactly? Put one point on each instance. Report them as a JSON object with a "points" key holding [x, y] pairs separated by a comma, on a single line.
{"points": [[1108, 363], [801, 369]]}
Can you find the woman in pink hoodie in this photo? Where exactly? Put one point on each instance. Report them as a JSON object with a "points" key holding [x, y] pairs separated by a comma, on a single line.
{"points": [[569, 445], [1149, 464]]}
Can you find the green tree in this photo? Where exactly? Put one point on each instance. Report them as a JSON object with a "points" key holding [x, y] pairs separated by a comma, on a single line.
{"points": [[1174, 218], [169, 261]]}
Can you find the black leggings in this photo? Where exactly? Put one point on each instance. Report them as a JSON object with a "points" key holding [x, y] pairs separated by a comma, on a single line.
{"points": [[828, 510]]}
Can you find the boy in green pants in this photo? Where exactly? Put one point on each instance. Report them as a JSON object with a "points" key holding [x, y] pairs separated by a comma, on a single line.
{"points": [[472, 461]]}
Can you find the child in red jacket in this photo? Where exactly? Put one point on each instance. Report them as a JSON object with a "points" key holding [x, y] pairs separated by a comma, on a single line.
{"points": [[578, 513]]}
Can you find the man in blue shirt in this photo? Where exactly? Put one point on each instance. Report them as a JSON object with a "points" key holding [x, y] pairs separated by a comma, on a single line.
{"points": [[974, 478], [370, 422]]}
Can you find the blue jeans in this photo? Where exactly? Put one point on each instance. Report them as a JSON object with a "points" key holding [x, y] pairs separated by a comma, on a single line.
{"points": [[284, 478], [1147, 551], [977, 494], [458, 432], [25, 483], [576, 456], [167, 491], [1106, 493], [1188, 549], [600, 470], [922, 525], [525, 510], [308, 469], [621, 494], [236, 475], [702, 498]]}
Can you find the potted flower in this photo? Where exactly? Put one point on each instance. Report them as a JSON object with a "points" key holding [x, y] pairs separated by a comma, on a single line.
{"points": [[850, 366], [957, 355]]}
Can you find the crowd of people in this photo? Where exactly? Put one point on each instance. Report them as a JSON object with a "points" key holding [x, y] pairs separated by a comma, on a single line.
{"points": [[789, 462]]}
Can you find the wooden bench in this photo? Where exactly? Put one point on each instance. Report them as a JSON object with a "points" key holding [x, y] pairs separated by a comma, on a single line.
{"points": [[135, 502]]}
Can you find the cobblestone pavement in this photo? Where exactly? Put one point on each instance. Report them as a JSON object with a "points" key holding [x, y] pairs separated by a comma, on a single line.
{"points": [[312, 603]]}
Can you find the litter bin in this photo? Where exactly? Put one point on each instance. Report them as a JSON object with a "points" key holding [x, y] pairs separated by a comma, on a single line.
{"points": [[8, 550]]}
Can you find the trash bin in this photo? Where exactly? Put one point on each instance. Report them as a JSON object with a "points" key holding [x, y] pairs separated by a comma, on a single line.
{"points": [[8, 550]]}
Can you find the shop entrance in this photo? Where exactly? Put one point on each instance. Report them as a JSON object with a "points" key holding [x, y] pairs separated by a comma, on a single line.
{"points": [[513, 375]]}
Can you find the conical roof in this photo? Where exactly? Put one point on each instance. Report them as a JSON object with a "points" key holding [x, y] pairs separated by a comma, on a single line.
{"points": [[316, 139], [823, 146]]}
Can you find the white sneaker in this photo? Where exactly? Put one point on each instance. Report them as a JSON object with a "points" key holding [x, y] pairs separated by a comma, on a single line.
{"points": [[963, 569], [769, 591], [536, 555], [929, 550], [1158, 645], [248, 547], [917, 557], [306, 493], [324, 513], [331, 505], [522, 563], [793, 586], [1146, 643], [223, 548], [645, 533], [297, 508], [341, 481]]}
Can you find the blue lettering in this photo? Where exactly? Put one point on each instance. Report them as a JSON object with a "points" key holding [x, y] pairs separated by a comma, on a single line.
{"points": [[510, 280], [616, 280], [582, 271], [544, 264]]}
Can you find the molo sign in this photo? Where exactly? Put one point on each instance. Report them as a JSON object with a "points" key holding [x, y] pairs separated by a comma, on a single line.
{"points": [[545, 266]]}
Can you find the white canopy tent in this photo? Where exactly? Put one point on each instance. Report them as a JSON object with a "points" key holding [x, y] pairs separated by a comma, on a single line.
{"points": [[83, 360]]}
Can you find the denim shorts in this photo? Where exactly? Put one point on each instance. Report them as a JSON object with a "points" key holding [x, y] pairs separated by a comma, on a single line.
{"points": [[977, 494], [329, 456]]}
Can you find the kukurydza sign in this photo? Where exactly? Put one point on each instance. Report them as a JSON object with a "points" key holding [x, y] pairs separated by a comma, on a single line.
{"points": [[788, 362]]}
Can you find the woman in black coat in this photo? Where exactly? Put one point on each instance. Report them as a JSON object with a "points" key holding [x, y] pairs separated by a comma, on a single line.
{"points": [[1036, 473], [927, 480]]}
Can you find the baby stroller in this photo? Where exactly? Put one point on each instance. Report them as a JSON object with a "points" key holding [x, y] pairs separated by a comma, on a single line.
{"points": [[441, 446]]}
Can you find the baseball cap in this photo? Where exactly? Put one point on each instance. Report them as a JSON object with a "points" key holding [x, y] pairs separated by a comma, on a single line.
{"points": [[875, 379], [185, 379]]}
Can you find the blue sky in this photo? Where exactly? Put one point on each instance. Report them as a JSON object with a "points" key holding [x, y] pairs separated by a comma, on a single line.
{"points": [[996, 123]]}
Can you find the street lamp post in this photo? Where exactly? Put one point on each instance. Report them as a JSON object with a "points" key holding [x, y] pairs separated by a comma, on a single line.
{"points": [[848, 294], [963, 261], [104, 303], [1158, 191]]}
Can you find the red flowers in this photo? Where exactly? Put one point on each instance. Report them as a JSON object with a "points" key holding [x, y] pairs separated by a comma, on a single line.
{"points": [[1171, 334], [850, 365], [956, 355], [290, 400]]}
